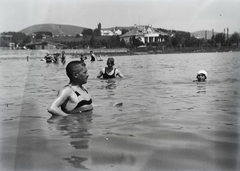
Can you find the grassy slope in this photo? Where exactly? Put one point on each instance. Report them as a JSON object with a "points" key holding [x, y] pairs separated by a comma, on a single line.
{"points": [[56, 29]]}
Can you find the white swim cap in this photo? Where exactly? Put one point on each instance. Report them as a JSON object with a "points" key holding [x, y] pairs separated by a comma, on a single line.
{"points": [[202, 72]]}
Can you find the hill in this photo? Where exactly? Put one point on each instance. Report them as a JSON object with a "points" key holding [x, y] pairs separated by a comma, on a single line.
{"points": [[56, 29]]}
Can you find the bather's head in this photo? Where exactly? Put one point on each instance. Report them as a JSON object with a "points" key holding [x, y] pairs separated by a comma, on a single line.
{"points": [[201, 76]]}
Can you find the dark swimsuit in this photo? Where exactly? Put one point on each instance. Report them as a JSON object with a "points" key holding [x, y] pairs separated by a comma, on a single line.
{"points": [[82, 102], [105, 75], [92, 58]]}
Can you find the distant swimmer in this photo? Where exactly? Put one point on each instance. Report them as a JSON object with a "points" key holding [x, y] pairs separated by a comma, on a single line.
{"points": [[73, 98], [55, 57], [48, 58], [82, 58], [201, 76], [63, 57], [109, 71], [93, 56]]}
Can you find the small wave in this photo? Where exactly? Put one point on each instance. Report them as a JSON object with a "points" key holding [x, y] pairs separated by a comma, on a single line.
{"points": [[231, 80]]}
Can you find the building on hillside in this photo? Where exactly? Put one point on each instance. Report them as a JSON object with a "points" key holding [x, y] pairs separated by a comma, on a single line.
{"points": [[45, 45], [111, 32], [144, 33], [6, 42], [106, 33]]}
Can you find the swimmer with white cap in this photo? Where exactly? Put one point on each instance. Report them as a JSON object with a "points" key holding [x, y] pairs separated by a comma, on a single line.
{"points": [[201, 76]]}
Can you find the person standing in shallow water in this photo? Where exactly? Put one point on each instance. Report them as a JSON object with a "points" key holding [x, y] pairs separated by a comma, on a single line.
{"points": [[63, 58], [73, 98], [109, 71], [93, 56]]}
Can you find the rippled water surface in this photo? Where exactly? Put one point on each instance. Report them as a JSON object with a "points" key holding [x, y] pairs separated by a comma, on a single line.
{"points": [[166, 122]]}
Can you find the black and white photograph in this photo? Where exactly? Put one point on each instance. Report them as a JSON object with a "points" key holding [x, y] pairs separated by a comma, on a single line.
{"points": [[119, 85]]}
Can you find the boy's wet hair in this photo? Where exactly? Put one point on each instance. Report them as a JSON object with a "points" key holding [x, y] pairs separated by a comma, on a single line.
{"points": [[110, 60], [73, 66]]}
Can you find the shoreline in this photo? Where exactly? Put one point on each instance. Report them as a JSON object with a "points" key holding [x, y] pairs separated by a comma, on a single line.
{"points": [[116, 52]]}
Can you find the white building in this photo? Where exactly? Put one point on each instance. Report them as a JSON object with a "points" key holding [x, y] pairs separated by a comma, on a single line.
{"points": [[111, 32], [145, 33]]}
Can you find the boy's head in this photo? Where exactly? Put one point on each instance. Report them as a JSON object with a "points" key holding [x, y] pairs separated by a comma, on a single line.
{"points": [[110, 61], [201, 75], [74, 66]]}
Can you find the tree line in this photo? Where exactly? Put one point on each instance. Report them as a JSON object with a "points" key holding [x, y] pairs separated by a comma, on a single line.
{"points": [[92, 38]]}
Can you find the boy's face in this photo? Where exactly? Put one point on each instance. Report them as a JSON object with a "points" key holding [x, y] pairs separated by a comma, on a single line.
{"points": [[82, 75], [110, 63], [201, 77]]}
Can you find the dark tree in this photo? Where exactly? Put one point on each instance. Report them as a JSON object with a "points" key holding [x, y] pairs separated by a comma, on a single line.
{"points": [[17, 37], [220, 38], [92, 42], [87, 32], [97, 32], [124, 31], [77, 35], [99, 26], [122, 43], [26, 40], [235, 38]]}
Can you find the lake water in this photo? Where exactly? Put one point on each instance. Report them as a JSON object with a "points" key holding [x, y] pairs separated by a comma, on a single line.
{"points": [[166, 122]]}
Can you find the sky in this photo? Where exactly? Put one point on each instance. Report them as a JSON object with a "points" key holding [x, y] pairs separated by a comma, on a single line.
{"points": [[184, 15]]}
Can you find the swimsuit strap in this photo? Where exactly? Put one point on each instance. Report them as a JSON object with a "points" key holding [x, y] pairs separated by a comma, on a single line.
{"points": [[76, 92]]}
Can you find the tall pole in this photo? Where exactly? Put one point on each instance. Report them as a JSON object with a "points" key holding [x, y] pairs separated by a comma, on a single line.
{"points": [[227, 33]]}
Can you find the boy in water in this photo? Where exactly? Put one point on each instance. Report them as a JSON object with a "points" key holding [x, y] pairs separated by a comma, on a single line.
{"points": [[109, 71], [73, 98]]}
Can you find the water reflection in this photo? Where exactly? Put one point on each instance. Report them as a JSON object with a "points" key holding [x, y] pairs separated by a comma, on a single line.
{"points": [[113, 158], [82, 144], [201, 88], [76, 127], [108, 84], [76, 162]]}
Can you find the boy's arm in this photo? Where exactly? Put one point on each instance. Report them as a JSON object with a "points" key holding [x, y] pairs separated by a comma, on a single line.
{"points": [[119, 73], [100, 73], [54, 107]]}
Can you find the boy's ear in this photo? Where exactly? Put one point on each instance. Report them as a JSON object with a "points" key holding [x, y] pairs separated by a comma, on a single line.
{"points": [[74, 74]]}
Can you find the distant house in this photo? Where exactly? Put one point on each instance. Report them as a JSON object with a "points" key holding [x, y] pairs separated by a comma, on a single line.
{"points": [[106, 33], [45, 36], [144, 33], [111, 32], [45, 45], [6, 41]]}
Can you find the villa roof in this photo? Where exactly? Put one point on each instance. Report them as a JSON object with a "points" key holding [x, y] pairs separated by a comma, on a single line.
{"points": [[142, 30], [133, 32]]}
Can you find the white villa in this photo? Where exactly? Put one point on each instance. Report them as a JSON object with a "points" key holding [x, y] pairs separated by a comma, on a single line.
{"points": [[147, 34]]}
